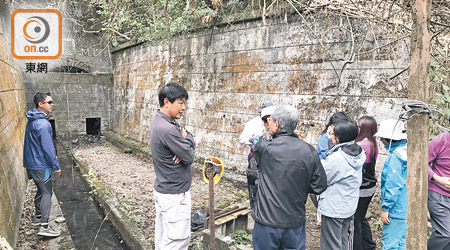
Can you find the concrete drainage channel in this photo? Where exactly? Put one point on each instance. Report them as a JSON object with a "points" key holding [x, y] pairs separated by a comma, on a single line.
{"points": [[116, 220], [84, 218]]}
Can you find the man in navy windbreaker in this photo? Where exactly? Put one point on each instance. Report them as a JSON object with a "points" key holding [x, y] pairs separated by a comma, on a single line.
{"points": [[39, 158]]}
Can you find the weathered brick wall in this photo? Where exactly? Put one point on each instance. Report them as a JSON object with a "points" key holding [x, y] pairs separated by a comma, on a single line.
{"points": [[230, 71], [76, 96], [12, 129]]}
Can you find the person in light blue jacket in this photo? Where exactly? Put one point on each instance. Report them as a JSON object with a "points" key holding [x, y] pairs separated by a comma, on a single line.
{"points": [[343, 167], [324, 143], [39, 158], [394, 193]]}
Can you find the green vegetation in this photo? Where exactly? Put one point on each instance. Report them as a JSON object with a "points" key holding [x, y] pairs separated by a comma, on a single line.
{"points": [[149, 20], [196, 245], [90, 177], [95, 185], [240, 236], [440, 93], [241, 195], [146, 20], [133, 214], [152, 241]]}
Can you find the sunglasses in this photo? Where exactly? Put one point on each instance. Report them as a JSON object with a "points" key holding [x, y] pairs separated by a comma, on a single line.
{"points": [[49, 102]]}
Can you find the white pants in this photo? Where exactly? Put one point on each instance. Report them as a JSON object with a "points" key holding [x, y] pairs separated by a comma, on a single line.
{"points": [[173, 220]]}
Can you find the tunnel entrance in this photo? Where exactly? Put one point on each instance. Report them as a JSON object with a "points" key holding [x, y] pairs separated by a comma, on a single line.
{"points": [[93, 126]]}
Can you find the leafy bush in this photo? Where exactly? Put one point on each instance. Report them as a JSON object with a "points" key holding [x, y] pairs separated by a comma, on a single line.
{"points": [[240, 236]]}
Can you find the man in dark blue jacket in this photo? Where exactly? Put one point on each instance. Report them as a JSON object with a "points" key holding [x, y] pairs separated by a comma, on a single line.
{"points": [[39, 158]]}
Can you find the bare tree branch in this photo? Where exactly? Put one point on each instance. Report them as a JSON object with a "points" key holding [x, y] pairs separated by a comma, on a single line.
{"points": [[318, 40]]}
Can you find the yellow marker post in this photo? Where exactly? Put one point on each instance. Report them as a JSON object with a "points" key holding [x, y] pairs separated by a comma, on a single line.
{"points": [[212, 172]]}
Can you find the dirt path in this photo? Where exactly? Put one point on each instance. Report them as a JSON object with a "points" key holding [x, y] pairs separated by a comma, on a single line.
{"points": [[130, 179]]}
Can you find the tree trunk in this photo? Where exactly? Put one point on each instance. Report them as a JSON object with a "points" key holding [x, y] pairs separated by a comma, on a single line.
{"points": [[418, 89]]}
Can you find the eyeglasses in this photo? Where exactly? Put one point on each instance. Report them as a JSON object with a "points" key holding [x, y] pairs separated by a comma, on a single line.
{"points": [[49, 102]]}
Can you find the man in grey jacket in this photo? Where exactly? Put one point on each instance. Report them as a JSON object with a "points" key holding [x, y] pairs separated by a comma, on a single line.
{"points": [[172, 155], [289, 169]]}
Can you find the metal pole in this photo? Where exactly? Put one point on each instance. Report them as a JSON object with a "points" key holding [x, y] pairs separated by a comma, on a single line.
{"points": [[212, 227]]}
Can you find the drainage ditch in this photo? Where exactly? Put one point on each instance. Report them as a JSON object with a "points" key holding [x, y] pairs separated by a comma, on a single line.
{"points": [[84, 218]]}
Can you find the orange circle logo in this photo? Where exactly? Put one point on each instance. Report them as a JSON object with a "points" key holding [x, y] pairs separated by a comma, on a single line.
{"points": [[36, 29]]}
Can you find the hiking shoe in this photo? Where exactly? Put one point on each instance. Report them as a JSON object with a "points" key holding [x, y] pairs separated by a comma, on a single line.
{"points": [[35, 221], [48, 232]]}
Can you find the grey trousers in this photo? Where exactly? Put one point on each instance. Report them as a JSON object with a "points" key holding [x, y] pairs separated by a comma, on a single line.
{"points": [[439, 208], [335, 233], [43, 197]]}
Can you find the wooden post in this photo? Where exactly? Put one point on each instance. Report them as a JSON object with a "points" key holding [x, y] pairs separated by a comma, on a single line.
{"points": [[212, 227], [418, 89]]}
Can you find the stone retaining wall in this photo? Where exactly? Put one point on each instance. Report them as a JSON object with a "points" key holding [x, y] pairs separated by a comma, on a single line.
{"points": [[13, 182], [229, 71]]}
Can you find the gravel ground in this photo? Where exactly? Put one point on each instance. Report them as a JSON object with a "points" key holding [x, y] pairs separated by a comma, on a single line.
{"points": [[131, 179]]}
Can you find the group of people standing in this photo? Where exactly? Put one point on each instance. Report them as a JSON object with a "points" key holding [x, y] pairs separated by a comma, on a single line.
{"points": [[284, 169], [341, 180]]}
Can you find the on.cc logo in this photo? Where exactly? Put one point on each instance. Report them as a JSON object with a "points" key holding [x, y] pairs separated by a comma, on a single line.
{"points": [[36, 29], [36, 34]]}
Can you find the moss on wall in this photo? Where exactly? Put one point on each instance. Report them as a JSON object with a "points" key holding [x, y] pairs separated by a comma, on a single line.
{"points": [[230, 71], [12, 128]]}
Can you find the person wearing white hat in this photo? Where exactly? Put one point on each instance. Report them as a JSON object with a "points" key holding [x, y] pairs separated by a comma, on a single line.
{"points": [[394, 193], [253, 128], [265, 113], [289, 169]]}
